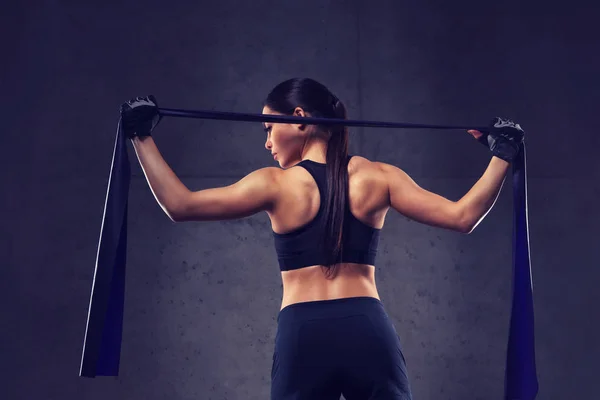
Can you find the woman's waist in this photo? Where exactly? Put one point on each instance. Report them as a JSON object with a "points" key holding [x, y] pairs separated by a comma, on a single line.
{"points": [[339, 288]]}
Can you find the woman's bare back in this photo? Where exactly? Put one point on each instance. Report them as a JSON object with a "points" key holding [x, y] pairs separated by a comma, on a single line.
{"points": [[299, 203]]}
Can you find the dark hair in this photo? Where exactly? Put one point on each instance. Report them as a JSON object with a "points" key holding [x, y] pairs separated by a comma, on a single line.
{"points": [[315, 98]]}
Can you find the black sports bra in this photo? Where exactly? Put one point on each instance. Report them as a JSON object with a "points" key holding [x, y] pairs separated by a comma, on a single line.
{"points": [[299, 248]]}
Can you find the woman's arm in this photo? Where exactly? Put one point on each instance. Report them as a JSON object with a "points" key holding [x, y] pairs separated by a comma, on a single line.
{"points": [[256, 192], [480, 199], [167, 188], [418, 204]]}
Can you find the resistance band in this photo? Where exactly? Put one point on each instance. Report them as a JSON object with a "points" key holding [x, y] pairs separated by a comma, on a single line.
{"points": [[103, 335]]}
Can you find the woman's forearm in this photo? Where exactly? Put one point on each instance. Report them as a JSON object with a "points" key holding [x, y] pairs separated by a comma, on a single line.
{"points": [[482, 196], [164, 184]]}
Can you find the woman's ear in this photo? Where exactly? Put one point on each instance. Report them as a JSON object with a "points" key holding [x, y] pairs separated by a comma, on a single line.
{"points": [[299, 112]]}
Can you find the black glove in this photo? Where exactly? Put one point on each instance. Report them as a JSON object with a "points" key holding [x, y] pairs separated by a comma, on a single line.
{"points": [[140, 116], [504, 138]]}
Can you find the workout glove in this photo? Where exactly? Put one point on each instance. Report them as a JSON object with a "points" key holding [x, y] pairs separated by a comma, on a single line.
{"points": [[504, 138], [140, 116]]}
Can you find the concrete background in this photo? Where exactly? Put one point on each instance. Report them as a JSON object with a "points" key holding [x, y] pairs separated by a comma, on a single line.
{"points": [[202, 298]]}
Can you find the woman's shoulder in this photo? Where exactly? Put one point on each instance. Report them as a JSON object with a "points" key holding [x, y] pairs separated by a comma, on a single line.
{"points": [[360, 160], [362, 164], [357, 165]]}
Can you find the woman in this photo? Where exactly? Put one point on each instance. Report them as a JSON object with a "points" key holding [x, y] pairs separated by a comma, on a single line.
{"points": [[326, 209]]}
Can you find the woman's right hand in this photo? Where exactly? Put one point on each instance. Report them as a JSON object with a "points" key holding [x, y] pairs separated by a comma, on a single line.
{"points": [[139, 116], [503, 140]]}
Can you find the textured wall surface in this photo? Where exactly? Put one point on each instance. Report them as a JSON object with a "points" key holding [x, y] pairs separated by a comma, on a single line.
{"points": [[202, 298]]}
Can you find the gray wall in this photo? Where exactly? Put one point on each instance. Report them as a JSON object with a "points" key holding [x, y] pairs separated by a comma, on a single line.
{"points": [[202, 298]]}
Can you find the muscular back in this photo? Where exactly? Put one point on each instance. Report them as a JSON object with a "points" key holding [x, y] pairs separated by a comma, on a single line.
{"points": [[299, 203], [300, 199], [374, 187]]}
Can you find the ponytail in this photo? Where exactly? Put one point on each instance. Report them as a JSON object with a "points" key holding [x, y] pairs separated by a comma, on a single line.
{"points": [[337, 193]]}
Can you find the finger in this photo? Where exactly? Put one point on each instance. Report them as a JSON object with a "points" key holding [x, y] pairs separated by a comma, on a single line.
{"points": [[475, 133]]}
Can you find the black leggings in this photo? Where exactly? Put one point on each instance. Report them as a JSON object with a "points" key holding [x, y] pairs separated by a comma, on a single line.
{"points": [[345, 346]]}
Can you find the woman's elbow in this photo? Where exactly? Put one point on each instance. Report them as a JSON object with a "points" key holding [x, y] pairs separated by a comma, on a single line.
{"points": [[174, 215], [464, 226], [466, 230]]}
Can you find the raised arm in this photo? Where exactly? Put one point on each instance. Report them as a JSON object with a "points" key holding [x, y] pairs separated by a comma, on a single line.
{"points": [[481, 198], [421, 205], [257, 191]]}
